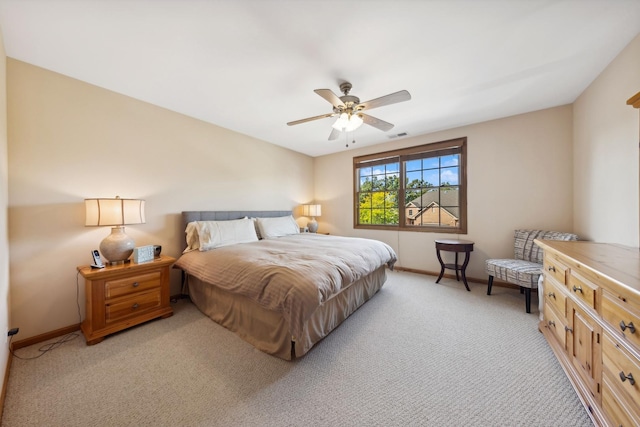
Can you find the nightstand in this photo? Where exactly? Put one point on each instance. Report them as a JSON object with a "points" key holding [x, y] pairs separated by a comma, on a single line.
{"points": [[120, 296]]}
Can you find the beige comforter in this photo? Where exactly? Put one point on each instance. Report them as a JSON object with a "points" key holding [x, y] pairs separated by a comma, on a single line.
{"points": [[293, 274]]}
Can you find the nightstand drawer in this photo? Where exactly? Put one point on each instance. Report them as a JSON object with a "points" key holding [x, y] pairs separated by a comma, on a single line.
{"points": [[132, 306], [120, 296], [129, 285]]}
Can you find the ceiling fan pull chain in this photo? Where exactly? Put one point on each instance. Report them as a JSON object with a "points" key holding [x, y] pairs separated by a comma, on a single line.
{"points": [[346, 138]]}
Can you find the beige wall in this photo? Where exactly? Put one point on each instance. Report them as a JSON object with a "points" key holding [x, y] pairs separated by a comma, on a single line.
{"points": [[4, 195], [606, 153], [519, 176], [69, 140], [563, 168], [572, 168]]}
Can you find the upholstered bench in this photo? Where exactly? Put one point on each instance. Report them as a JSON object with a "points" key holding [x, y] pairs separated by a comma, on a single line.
{"points": [[525, 269]]}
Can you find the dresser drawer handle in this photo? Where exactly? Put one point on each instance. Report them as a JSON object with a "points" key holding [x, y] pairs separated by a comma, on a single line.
{"points": [[551, 268], [629, 377], [630, 326], [568, 329], [136, 284], [551, 295], [552, 323], [579, 288], [134, 306]]}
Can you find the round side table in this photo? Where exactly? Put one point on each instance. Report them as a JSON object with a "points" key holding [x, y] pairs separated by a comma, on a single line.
{"points": [[457, 246]]}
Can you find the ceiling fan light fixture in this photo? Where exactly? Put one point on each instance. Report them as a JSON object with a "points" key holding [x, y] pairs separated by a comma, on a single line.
{"points": [[351, 112], [342, 122], [355, 121], [348, 122]]}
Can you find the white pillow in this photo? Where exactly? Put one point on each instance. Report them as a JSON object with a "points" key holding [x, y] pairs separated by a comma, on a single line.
{"points": [[215, 234], [278, 226], [255, 223]]}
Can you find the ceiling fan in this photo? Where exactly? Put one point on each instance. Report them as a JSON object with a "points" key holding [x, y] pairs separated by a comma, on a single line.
{"points": [[349, 110]]}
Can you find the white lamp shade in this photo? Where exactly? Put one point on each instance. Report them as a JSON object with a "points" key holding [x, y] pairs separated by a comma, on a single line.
{"points": [[104, 212], [311, 210]]}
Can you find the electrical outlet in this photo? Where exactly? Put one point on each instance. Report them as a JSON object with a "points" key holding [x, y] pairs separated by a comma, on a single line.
{"points": [[10, 333]]}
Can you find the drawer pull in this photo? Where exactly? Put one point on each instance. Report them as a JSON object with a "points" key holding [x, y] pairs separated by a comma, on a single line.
{"points": [[136, 284], [551, 295], [551, 268], [579, 288], [552, 323], [568, 329], [629, 377], [630, 326], [134, 306]]}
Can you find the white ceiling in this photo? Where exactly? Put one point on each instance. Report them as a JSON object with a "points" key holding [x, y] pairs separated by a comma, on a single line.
{"points": [[252, 66]]}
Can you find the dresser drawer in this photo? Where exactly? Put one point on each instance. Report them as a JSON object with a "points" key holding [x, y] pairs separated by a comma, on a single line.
{"points": [[622, 315], [132, 305], [555, 296], [582, 289], [622, 365], [555, 324], [132, 284], [616, 404], [556, 269]]}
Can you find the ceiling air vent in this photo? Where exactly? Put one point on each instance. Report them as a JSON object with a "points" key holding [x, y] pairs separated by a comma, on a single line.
{"points": [[397, 135]]}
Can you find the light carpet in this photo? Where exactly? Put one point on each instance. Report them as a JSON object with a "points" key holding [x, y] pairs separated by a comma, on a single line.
{"points": [[417, 354]]}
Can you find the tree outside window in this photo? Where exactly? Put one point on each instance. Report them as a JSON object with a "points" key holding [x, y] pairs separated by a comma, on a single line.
{"points": [[429, 180]]}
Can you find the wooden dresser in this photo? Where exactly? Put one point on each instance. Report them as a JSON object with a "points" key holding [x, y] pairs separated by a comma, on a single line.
{"points": [[591, 319], [118, 297]]}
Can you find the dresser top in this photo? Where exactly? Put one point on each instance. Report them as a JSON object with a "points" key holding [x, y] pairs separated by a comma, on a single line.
{"points": [[620, 264]]}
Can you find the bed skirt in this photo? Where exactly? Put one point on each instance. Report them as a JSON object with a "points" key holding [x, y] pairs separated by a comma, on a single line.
{"points": [[267, 330]]}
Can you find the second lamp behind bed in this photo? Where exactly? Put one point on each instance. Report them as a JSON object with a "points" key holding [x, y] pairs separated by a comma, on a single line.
{"points": [[313, 211]]}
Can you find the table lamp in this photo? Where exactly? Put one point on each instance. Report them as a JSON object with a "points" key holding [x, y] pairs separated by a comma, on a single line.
{"points": [[313, 211], [117, 247]]}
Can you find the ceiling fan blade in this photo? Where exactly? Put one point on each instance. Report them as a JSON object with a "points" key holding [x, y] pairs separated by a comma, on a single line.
{"points": [[334, 134], [392, 98], [309, 119], [331, 97], [376, 123]]}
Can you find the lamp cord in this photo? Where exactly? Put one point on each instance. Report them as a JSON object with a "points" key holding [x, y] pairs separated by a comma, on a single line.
{"points": [[66, 338]]}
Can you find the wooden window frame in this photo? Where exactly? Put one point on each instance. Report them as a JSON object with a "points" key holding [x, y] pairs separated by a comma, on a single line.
{"points": [[436, 149]]}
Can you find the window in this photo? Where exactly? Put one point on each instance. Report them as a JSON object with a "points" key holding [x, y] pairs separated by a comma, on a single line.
{"points": [[413, 189]]}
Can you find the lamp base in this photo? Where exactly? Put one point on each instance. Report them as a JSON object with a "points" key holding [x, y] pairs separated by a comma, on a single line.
{"points": [[117, 247], [312, 225]]}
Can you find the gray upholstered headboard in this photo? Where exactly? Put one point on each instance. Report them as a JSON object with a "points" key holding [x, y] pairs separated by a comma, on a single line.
{"points": [[188, 216]]}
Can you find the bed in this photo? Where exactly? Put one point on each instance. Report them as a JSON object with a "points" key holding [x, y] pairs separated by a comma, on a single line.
{"points": [[281, 293]]}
